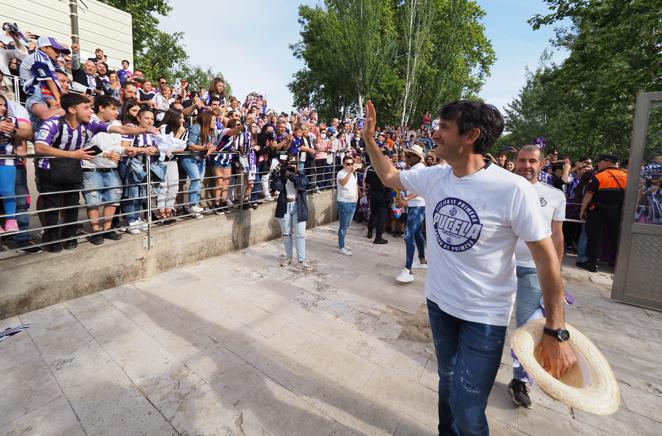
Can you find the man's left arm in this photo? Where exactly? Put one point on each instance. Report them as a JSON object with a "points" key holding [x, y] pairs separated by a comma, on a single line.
{"points": [[557, 356]]}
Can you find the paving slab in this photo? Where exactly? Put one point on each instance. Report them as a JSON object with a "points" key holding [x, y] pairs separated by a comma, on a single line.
{"points": [[237, 345]]}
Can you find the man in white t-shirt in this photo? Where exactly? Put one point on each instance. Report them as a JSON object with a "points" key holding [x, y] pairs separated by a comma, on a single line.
{"points": [[415, 205], [528, 164], [348, 195], [475, 214]]}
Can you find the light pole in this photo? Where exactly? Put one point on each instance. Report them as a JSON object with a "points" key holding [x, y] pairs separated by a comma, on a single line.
{"points": [[73, 15]]}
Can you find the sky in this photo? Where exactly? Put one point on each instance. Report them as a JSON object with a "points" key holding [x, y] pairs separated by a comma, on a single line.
{"points": [[249, 43]]}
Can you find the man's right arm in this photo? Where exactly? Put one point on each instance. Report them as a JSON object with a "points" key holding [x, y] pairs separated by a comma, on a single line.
{"points": [[389, 175]]}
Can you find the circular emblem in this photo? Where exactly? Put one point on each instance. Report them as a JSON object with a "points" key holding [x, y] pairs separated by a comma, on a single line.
{"points": [[456, 225], [543, 202]]}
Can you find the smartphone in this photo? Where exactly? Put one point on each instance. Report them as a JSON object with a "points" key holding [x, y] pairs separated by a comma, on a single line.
{"points": [[95, 149], [359, 123]]}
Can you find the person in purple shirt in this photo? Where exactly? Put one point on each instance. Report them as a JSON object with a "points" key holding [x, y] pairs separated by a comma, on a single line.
{"points": [[65, 138], [125, 73]]}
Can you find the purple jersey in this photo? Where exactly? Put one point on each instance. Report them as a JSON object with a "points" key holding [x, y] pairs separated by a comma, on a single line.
{"points": [[57, 133]]}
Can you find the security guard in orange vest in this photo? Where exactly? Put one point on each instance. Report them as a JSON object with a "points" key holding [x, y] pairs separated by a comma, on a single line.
{"points": [[602, 207]]}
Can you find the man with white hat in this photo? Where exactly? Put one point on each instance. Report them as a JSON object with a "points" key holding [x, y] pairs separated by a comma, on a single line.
{"points": [[476, 213], [38, 69], [415, 216], [528, 163]]}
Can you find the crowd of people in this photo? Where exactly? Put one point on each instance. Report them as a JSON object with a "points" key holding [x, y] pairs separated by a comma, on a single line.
{"points": [[102, 133]]}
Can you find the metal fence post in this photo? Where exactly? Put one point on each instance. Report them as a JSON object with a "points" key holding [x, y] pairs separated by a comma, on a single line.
{"points": [[147, 243]]}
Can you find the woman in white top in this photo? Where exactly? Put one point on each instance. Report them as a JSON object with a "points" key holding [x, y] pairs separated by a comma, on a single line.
{"points": [[348, 195]]}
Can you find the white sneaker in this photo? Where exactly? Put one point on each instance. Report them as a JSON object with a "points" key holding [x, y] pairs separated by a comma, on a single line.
{"points": [[197, 216], [405, 276], [345, 251], [229, 203], [196, 209], [286, 262], [133, 228], [419, 265], [142, 224]]}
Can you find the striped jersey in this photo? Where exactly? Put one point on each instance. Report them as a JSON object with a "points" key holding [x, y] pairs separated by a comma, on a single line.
{"points": [[57, 133], [36, 68]]}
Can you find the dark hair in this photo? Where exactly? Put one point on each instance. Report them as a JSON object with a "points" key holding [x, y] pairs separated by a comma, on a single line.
{"points": [[347, 156], [204, 120], [232, 123], [125, 60], [144, 109], [73, 100], [126, 117], [557, 166], [212, 87], [171, 120], [469, 115], [128, 83], [214, 98], [105, 101]]}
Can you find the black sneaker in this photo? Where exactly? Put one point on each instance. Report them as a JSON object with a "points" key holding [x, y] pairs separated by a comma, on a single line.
{"points": [[70, 245], [380, 241], [28, 247], [519, 392], [112, 235], [95, 238], [53, 248], [369, 234], [587, 266]]}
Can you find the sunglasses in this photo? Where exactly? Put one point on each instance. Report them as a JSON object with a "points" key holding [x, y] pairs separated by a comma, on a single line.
{"points": [[349, 163]]}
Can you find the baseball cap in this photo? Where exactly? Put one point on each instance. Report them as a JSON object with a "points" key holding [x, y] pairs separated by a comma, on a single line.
{"points": [[47, 41], [608, 157]]}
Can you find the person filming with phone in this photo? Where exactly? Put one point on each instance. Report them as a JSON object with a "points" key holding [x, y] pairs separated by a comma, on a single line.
{"points": [[292, 208]]}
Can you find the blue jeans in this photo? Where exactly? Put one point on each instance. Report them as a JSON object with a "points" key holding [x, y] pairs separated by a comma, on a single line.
{"points": [[22, 205], [8, 190], [526, 303], [414, 234], [132, 203], [345, 214], [101, 187], [468, 357], [288, 222], [581, 246], [195, 170]]}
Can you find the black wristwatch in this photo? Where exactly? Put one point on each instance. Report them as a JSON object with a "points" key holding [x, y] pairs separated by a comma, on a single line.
{"points": [[561, 335]]}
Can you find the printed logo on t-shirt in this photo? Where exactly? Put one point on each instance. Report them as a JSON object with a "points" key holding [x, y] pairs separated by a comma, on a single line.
{"points": [[456, 224], [543, 202]]}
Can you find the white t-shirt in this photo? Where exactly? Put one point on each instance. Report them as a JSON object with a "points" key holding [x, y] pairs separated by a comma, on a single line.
{"points": [[349, 192], [418, 201], [106, 142], [473, 224], [552, 204]]}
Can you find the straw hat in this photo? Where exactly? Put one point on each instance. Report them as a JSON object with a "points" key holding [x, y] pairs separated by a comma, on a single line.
{"points": [[416, 150], [589, 385]]}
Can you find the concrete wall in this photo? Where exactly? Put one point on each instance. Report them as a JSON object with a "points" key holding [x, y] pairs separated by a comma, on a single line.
{"points": [[31, 282], [99, 25]]}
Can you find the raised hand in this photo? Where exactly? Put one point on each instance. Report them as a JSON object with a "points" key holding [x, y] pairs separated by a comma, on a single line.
{"points": [[370, 123]]}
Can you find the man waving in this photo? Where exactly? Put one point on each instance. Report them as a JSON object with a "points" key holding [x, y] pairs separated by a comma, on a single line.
{"points": [[475, 213]]}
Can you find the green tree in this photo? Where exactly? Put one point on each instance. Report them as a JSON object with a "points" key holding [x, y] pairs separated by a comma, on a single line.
{"points": [[406, 55], [144, 20], [615, 52]]}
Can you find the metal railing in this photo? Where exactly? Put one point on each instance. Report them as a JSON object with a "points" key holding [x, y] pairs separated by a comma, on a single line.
{"points": [[32, 222]]}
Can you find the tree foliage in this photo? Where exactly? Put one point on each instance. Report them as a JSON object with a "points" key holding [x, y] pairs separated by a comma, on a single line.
{"points": [[586, 104], [158, 53], [406, 55]]}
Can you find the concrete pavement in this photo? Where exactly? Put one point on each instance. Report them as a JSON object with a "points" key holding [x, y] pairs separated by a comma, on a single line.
{"points": [[236, 345]]}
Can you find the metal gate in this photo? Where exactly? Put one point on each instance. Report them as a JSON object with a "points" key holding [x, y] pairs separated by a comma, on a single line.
{"points": [[638, 277]]}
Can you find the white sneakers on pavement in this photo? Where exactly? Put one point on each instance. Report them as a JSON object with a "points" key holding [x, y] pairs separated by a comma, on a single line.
{"points": [[419, 265], [346, 251], [405, 276]]}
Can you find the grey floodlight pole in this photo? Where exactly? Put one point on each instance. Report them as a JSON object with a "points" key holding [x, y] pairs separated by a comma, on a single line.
{"points": [[73, 15]]}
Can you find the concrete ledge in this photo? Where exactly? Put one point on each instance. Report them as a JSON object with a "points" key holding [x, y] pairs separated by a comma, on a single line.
{"points": [[32, 282]]}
